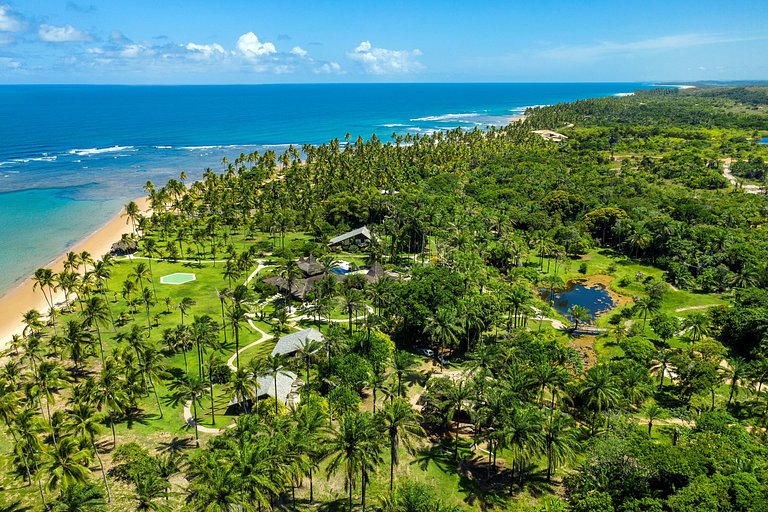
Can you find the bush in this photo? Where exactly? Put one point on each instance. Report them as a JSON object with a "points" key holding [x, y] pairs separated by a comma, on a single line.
{"points": [[583, 268]]}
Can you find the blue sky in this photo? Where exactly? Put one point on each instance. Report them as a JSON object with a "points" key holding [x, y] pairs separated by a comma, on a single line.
{"points": [[261, 41]]}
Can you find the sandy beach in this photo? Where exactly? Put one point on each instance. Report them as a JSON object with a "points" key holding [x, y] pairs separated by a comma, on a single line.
{"points": [[24, 297]]}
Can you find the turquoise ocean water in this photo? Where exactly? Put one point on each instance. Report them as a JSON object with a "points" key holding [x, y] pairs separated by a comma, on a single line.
{"points": [[71, 156]]}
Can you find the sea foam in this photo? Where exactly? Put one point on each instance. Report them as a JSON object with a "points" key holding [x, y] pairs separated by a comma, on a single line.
{"points": [[446, 117], [99, 151]]}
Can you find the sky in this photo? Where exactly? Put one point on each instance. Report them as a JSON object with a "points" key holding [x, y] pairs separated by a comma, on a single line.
{"points": [[300, 41]]}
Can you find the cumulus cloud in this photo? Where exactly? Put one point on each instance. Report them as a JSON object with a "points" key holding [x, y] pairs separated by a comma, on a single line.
{"points": [[381, 61], [10, 21], [205, 51], [250, 47], [65, 34], [299, 51], [328, 68]]}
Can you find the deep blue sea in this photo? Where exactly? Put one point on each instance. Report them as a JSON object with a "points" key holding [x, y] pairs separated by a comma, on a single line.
{"points": [[71, 156]]}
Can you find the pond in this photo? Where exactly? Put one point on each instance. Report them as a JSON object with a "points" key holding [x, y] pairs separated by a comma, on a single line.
{"points": [[764, 140], [595, 298]]}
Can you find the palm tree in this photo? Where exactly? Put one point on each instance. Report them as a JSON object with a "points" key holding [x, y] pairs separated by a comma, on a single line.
{"points": [[184, 306], [735, 371], [645, 305], [79, 498], [152, 364], [352, 300], [311, 426], [600, 391], [213, 486], [95, 314], [402, 363], [140, 274], [50, 377], [443, 329], [552, 282], [223, 295], [662, 364], [306, 352], [67, 464], [85, 423], [44, 278], [190, 389], [579, 314], [149, 489], [698, 324], [237, 315], [132, 214], [522, 435], [291, 272], [243, 387], [354, 449], [652, 412], [275, 365], [560, 441], [109, 393], [151, 251], [456, 393], [402, 425]]}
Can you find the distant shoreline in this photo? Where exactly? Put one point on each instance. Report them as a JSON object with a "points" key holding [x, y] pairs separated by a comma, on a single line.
{"points": [[23, 297]]}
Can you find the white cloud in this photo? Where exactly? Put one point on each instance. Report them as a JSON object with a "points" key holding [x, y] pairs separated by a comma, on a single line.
{"points": [[65, 34], [132, 51], [205, 51], [299, 51], [328, 68], [380, 61], [250, 47], [10, 63], [9, 20], [663, 43]]}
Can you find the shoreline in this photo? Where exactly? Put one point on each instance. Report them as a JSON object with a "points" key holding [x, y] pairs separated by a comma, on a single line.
{"points": [[23, 297]]}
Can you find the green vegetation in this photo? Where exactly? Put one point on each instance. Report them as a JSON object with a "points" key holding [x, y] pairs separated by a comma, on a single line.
{"points": [[443, 381]]}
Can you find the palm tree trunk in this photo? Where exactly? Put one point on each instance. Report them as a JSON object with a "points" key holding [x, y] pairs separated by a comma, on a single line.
{"points": [[157, 398], [103, 473], [311, 487], [194, 418]]}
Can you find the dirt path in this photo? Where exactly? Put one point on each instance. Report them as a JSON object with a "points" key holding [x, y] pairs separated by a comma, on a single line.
{"points": [[691, 308], [749, 189]]}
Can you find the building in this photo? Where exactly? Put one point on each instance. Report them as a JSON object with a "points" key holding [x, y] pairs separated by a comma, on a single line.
{"points": [[550, 135], [357, 236], [286, 391], [292, 343]]}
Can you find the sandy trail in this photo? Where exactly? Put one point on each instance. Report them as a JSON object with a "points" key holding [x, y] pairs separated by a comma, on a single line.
{"points": [[749, 189]]}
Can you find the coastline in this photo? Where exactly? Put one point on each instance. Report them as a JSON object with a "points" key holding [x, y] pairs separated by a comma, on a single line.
{"points": [[24, 296]]}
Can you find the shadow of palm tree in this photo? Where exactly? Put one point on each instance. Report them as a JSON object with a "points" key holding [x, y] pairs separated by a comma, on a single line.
{"points": [[134, 415], [176, 445]]}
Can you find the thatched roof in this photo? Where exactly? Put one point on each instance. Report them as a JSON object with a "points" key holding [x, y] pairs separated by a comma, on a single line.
{"points": [[310, 266], [124, 247]]}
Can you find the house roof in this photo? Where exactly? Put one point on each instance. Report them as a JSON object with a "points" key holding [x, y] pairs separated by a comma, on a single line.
{"points": [[310, 266], [364, 231], [375, 273], [266, 386], [293, 342]]}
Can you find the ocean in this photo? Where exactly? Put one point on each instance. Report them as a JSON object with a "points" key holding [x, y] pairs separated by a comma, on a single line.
{"points": [[71, 156]]}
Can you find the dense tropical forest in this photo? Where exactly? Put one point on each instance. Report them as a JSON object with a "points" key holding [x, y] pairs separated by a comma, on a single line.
{"points": [[440, 373]]}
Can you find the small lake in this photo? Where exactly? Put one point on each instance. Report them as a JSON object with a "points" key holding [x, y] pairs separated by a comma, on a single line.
{"points": [[764, 140], [595, 298]]}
